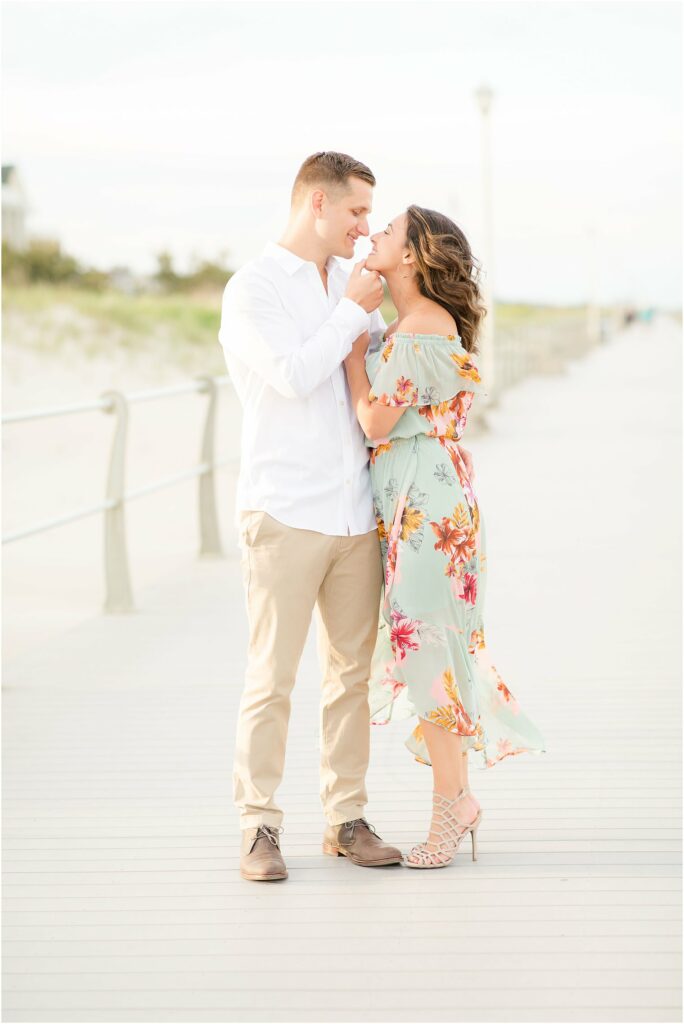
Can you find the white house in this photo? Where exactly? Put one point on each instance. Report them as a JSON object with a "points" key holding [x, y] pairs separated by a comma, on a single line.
{"points": [[14, 208]]}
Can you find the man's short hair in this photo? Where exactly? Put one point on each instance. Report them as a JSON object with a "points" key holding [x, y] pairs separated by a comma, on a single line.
{"points": [[329, 171]]}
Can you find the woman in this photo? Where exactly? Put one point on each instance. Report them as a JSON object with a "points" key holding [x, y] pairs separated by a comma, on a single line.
{"points": [[412, 393]]}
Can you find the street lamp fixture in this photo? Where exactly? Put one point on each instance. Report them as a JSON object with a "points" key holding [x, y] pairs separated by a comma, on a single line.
{"points": [[484, 96]]}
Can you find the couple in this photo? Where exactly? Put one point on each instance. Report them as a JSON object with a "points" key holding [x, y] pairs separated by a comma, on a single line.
{"points": [[355, 499]]}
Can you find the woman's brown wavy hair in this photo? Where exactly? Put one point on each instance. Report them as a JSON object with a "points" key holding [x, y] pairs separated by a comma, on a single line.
{"points": [[446, 270]]}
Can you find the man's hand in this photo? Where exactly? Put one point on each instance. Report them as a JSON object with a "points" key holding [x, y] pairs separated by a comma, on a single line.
{"points": [[365, 289], [468, 459]]}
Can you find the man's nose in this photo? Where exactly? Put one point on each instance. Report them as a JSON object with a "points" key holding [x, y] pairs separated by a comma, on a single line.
{"points": [[363, 227]]}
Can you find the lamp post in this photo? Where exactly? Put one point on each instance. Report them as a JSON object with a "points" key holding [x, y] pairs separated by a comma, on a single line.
{"points": [[593, 305], [484, 96]]}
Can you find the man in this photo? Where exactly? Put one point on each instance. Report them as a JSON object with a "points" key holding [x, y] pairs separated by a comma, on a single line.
{"points": [[305, 511]]}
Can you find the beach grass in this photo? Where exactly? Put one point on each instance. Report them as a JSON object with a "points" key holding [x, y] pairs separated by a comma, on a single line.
{"points": [[48, 316], [188, 318]]}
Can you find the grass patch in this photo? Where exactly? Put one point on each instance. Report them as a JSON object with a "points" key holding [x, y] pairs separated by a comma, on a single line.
{"points": [[516, 314], [513, 314], [186, 318], [47, 316]]}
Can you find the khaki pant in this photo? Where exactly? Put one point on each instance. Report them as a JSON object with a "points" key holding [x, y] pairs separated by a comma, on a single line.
{"points": [[287, 573]]}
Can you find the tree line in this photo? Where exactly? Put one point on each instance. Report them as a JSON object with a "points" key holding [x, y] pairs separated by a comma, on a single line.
{"points": [[44, 261]]}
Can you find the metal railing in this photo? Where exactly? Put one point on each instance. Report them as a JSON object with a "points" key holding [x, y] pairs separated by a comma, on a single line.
{"points": [[119, 596], [539, 349], [519, 352]]}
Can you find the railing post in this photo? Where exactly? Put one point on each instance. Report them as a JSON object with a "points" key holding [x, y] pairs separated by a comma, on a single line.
{"points": [[119, 597], [210, 535]]}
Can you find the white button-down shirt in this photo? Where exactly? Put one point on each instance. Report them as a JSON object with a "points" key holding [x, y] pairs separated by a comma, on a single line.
{"points": [[304, 460]]}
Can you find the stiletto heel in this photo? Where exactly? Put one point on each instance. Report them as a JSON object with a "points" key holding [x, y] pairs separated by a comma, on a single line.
{"points": [[473, 834], [449, 832]]}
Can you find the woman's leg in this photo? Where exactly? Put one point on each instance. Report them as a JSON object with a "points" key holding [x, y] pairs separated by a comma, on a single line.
{"points": [[446, 755], [449, 767]]}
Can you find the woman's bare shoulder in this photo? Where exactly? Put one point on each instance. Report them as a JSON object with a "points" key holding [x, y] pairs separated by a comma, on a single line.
{"points": [[429, 321]]}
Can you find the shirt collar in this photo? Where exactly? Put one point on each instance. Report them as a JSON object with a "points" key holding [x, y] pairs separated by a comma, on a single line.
{"points": [[290, 262]]}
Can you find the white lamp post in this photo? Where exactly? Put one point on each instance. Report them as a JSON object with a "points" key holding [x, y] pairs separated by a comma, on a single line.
{"points": [[593, 306], [484, 96]]}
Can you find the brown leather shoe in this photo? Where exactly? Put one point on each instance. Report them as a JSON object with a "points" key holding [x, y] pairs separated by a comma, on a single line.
{"points": [[260, 856], [360, 842]]}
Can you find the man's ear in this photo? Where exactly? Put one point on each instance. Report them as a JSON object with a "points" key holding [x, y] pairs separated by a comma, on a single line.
{"points": [[317, 202]]}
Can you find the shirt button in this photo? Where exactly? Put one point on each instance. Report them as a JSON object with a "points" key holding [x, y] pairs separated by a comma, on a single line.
{"points": [[347, 482], [342, 404]]}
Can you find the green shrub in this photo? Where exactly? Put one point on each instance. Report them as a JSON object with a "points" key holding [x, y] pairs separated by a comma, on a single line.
{"points": [[42, 260]]}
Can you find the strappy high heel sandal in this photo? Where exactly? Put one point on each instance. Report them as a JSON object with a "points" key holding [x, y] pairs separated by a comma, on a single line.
{"points": [[450, 833]]}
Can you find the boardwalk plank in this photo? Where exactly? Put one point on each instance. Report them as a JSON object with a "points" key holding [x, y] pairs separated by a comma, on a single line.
{"points": [[122, 897]]}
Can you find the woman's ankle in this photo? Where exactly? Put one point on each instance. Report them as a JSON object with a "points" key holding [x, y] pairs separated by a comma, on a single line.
{"points": [[451, 792], [467, 806]]}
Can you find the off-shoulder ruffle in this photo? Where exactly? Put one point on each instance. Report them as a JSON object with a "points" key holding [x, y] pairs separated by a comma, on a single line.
{"points": [[423, 369]]}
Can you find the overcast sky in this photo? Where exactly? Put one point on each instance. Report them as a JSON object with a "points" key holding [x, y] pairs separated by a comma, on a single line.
{"points": [[139, 126]]}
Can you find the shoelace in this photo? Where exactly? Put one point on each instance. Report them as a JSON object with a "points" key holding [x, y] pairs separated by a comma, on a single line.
{"points": [[270, 832], [351, 825]]}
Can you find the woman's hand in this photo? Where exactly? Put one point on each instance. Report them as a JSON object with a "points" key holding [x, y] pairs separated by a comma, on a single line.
{"points": [[359, 349], [468, 459]]}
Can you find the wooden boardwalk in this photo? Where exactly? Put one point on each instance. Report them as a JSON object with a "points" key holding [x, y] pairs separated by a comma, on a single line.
{"points": [[122, 898]]}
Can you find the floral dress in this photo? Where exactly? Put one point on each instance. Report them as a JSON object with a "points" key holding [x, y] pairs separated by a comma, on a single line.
{"points": [[431, 659]]}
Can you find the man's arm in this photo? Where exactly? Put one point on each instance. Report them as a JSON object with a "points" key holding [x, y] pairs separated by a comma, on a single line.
{"points": [[258, 330], [377, 327]]}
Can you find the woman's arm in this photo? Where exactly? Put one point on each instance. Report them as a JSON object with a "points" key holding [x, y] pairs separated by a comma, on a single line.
{"points": [[376, 420], [424, 323]]}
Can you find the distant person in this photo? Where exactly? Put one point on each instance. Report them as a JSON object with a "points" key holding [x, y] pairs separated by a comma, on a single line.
{"points": [[412, 393]]}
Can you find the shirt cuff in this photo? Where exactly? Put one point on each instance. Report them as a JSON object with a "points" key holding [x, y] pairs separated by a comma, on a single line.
{"points": [[352, 316]]}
